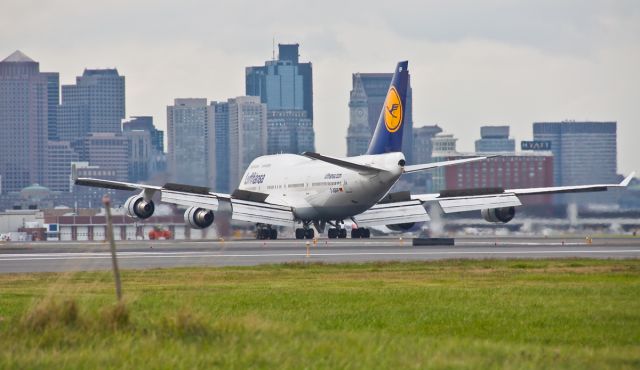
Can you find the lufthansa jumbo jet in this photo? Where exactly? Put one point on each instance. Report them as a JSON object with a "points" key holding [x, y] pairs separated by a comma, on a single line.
{"points": [[312, 191]]}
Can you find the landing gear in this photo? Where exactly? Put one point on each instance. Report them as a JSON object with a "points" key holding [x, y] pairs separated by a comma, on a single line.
{"points": [[264, 232], [305, 232], [337, 232], [360, 233]]}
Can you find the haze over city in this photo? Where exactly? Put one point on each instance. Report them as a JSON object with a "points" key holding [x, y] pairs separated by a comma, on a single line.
{"points": [[472, 63]]}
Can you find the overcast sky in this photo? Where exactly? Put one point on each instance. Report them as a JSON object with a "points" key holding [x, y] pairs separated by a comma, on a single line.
{"points": [[472, 62]]}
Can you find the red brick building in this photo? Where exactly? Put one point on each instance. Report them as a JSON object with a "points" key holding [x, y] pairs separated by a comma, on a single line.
{"points": [[508, 171]]}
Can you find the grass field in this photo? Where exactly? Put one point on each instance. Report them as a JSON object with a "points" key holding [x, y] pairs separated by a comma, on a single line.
{"points": [[452, 314]]}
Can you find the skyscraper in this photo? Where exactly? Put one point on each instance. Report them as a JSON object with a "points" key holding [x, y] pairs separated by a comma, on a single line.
{"points": [[24, 109], [584, 152], [58, 173], [53, 100], [96, 103], [365, 104], [422, 153], [285, 85], [143, 162], [495, 139], [220, 111], [247, 135], [191, 142]]}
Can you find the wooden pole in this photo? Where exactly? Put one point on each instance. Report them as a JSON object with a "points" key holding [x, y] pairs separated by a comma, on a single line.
{"points": [[112, 243]]}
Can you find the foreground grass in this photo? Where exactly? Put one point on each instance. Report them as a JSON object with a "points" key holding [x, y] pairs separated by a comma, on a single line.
{"points": [[468, 314]]}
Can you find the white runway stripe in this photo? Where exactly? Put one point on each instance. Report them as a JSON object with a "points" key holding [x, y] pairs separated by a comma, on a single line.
{"points": [[144, 255]]}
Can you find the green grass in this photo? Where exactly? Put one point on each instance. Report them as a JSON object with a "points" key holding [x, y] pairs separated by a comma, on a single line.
{"points": [[453, 314]]}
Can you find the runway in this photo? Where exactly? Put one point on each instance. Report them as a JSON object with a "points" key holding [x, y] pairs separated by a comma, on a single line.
{"points": [[85, 256]]}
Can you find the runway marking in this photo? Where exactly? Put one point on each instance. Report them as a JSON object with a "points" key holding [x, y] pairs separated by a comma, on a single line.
{"points": [[134, 255]]}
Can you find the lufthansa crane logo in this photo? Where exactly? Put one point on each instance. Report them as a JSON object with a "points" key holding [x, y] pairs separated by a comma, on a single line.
{"points": [[393, 110]]}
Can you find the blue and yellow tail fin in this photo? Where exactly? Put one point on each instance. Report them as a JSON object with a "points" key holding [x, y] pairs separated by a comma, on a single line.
{"points": [[388, 134]]}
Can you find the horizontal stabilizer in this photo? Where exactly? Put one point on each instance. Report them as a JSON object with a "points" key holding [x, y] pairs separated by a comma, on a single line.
{"points": [[392, 214], [342, 163], [428, 166]]}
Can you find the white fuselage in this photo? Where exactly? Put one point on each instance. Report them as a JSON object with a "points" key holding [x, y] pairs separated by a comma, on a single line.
{"points": [[317, 190]]}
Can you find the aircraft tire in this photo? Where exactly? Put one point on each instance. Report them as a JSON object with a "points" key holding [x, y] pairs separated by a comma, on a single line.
{"points": [[309, 234], [300, 233], [342, 234], [355, 234], [332, 233], [273, 234]]}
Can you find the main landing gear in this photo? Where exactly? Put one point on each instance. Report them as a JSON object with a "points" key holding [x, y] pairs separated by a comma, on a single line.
{"points": [[337, 231], [360, 232], [305, 232], [264, 232], [334, 233]]}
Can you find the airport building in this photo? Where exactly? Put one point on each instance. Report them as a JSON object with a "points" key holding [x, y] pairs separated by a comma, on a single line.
{"points": [[190, 136], [24, 111], [367, 96], [495, 139], [286, 87]]}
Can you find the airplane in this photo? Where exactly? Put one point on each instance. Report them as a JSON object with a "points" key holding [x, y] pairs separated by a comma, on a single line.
{"points": [[312, 190]]}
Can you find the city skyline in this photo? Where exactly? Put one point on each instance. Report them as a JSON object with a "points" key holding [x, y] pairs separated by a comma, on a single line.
{"points": [[486, 64]]}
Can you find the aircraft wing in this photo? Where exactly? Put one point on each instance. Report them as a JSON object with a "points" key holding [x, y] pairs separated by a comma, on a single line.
{"points": [[393, 213], [463, 200], [245, 205]]}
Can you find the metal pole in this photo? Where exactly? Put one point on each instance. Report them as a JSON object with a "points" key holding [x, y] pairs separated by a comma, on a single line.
{"points": [[112, 243]]}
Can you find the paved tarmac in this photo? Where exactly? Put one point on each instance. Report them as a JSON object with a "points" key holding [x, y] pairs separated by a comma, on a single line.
{"points": [[84, 256]]}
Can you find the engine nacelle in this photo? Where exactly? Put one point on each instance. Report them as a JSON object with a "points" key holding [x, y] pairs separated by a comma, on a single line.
{"points": [[137, 207], [198, 218], [408, 226], [499, 215]]}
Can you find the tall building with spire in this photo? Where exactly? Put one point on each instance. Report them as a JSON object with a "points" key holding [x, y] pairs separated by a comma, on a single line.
{"points": [[366, 99], [286, 87], [24, 131]]}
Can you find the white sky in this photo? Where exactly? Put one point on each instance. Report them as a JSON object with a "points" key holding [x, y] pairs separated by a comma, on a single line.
{"points": [[472, 62]]}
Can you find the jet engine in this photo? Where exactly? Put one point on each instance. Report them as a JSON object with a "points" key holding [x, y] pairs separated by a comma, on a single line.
{"points": [[499, 215], [198, 218], [406, 227], [137, 207]]}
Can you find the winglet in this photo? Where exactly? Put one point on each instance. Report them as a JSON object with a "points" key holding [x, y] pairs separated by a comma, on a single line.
{"points": [[628, 179], [74, 172]]}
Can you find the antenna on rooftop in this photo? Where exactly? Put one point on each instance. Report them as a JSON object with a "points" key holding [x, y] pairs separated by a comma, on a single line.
{"points": [[273, 48]]}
